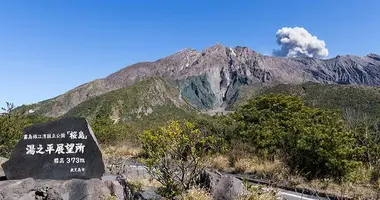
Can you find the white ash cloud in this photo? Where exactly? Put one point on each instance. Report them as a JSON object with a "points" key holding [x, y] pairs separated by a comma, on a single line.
{"points": [[298, 42]]}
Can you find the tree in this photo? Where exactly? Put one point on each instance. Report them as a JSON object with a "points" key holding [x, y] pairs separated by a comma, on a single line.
{"points": [[367, 135], [174, 155], [312, 141], [11, 126]]}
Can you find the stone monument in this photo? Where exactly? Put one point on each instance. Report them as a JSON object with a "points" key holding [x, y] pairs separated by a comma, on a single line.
{"points": [[60, 150]]}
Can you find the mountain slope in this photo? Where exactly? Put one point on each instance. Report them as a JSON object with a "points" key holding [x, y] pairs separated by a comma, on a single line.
{"points": [[212, 79], [150, 101]]}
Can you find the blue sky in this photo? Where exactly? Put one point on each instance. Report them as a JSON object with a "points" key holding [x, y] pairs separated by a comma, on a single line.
{"points": [[49, 47]]}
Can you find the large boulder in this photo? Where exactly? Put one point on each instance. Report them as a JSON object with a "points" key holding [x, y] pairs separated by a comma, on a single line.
{"points": [[93, 189], [221, 187]]}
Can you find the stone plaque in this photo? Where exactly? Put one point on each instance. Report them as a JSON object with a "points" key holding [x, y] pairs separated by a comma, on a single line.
{"points": [[61, 149]]}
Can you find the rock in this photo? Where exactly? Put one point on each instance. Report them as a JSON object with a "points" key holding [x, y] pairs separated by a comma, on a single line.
{"points": [[93, 189], [147, 194], [222, 187], [130, 168], [136, 172], [59, 150], [2, 160]]}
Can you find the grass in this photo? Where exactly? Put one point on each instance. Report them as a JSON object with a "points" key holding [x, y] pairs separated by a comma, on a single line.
{"points": [[197, 194], [258, 193], [141, 184], [260, 167], [358, 185], [124, 150], [220, 162], [114, 156], [251, 193], [356, 191]]}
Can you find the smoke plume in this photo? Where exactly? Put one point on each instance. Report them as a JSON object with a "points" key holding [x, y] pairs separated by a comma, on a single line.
{"points": [[298, 42]]}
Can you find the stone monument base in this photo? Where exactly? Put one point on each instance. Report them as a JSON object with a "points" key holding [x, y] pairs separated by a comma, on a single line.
{"points": [[94, 189]]}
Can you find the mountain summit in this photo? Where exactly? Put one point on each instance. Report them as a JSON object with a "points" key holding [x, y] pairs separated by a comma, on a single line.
{"points": [[212, 78]]}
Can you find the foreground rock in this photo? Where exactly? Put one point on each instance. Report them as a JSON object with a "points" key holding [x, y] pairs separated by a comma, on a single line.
{"points": [[2, 160], [222, 187], [131, 168], [147, 194], [61, 149], [93, 189]]}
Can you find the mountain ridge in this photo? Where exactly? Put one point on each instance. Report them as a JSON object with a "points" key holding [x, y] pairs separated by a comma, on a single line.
{"points": [[211, 78]]}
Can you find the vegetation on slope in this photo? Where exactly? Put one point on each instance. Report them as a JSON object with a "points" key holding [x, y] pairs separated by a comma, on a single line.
{"points": [[349, 99], [288, 139], [144, 105], [311, 141]]}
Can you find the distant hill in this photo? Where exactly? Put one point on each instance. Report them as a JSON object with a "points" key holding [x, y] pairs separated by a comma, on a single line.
{"points": [[213, 79]]}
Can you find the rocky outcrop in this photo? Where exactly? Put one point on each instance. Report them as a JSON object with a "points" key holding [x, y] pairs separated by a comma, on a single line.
{"points": [[94, 189], [211, 78]]}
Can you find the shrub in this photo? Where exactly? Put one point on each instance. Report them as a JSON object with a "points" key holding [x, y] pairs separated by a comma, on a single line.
{"points": [[174, 155], [110, 133], [312, 141], [11, 126], [219, 126]]}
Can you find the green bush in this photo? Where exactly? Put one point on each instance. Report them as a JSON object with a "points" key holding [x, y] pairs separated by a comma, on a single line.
{"points": [[312, 141], [223, 127], [108, 132], [11, 126], [174, 155]]}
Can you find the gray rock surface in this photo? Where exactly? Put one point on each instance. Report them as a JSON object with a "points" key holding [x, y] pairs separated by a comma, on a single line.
{"points": [[129, 167], [2, 160], [93, 189], [211, 78], [147, 194], [132, 170], [222, 187]]}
